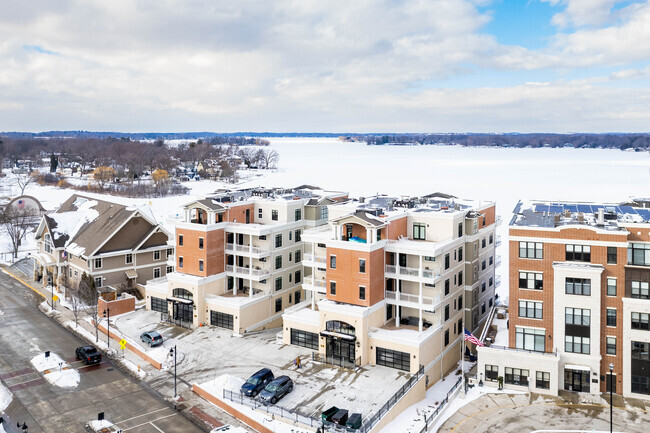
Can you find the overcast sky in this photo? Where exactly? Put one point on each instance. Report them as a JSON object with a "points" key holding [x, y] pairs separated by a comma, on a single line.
{"points": [[325, 66]]}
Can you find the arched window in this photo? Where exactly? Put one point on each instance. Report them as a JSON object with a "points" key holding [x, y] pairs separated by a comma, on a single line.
{"points": [[183, 294], [47, 239], [339, 327]]}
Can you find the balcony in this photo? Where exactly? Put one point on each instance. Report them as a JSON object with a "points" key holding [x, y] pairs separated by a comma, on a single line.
{"points": [[498, 240], [497, 261], [252, 273], [412, 274], [246, 250], [498, 220], [412, 301], [313, 260], [497, 281], [317, 286]]}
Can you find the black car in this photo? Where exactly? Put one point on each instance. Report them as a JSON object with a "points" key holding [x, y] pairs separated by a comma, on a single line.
{"points": [[257, 382], [274, 391], [89, 355]]}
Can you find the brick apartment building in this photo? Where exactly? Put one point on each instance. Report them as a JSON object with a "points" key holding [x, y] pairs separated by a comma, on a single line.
{"points": [[579, 276]]}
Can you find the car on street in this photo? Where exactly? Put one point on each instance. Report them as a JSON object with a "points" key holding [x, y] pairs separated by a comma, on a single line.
{"points": [[257, 382], [274, 391], [152, 338], [89, 355]]}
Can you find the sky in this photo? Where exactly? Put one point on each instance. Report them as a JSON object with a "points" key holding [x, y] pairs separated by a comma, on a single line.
{"points": [[325, 66]]}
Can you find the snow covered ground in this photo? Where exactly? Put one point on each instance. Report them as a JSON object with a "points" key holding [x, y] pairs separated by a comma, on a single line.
{"points": [[5, 397], [56, 371]]}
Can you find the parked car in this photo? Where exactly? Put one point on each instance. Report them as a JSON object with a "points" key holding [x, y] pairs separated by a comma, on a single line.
{"points": [[152, 338], [89, 355], [274, 391], [257, 382]]}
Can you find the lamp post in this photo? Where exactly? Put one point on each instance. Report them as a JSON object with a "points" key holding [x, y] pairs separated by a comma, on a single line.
{"points": [[107, 314], [611, 379], [173, 351]]}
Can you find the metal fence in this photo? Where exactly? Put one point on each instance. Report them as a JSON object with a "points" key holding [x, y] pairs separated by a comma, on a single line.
{"points": [[428, 420]]}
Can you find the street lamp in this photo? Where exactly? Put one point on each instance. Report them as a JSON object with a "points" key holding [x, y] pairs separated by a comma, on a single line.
{"points": [[611, 379], [173, 351], [107, 313]]}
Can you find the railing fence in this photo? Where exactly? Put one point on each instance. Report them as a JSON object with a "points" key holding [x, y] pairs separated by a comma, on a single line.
{"points": [[428, 420]]}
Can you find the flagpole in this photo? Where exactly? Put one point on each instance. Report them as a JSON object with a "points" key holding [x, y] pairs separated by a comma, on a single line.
{"points": [[462, 354]]}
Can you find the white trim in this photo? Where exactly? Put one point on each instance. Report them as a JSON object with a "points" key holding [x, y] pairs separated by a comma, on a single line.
{"points": [[108, 271], [568, 241]]}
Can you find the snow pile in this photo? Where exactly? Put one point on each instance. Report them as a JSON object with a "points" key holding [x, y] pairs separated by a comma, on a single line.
{"points": [[5, 397], [56, 371], [46, 308], [97, 425]]}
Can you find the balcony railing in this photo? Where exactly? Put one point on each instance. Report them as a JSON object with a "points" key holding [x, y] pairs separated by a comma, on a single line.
{"points": [[247, 271], [315, 259], [498, 241], [427, 301], [498, 220], [497, 261], [245, 249], [412, 272], [497, 281]]}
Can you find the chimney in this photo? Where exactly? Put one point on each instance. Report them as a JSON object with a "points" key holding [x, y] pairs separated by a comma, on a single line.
{"points": [[601, 217], [362, 199]]}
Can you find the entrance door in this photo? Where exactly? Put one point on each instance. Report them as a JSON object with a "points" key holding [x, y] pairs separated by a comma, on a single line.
{"points": [[182, 312], [576, 380], [340, 352], [248, 216]]}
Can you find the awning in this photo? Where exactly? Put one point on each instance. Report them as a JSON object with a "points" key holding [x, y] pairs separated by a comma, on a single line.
{"points": [[44, 259], [180, 300], [131, 273], [576, 367], [337, 335]]}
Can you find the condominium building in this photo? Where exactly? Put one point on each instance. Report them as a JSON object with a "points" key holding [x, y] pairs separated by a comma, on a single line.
{"points": [[579, 276], [239, 257], [392, 281]]}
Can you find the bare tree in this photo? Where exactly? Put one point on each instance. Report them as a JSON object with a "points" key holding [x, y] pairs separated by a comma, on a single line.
{"points": [[22, 181], [73, 295], [268, 157], [17, 223], [88, 295], [103, 175]]}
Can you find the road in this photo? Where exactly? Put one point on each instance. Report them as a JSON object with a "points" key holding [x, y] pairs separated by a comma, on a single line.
{"points": [[24, 333]]}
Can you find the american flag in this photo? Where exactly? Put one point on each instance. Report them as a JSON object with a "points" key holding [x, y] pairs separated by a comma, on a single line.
{"points": [[470, 337]]}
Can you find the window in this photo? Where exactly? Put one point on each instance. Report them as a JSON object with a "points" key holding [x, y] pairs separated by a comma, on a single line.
{"points": [[542, 380], [180, 240], [333, 288], [169, 269], [296, 295], [262, 237], [491, 373], [324, 212], [611, 345], [278, 283], [378, 234], [531, 250], [332, 262], [393, 359], [490, 302], [460, 254], [530, 339], [278, 262], [274, 215], [460, 278], [516, 376], [304, 339], [640, 289], [578, 253], [446, 312], [483, 264], [483, 308], [491, 260], [290, 276], [259, 213], [222, 320], [290, 256], [577, 316], [98, 281], [278, 240], [446, 287], [158, 304], [297, 276], [638, 254], [531, 280], [530, 309], [200, 243], [298, 234], [447, 261], [578, 286], [180, 262], [483, 287], [48, 243], [576, 344], [201, 265], [460, 302], [170, 252], [446, 337], [611, 317], [491, 239], [290, 233], [611, 255], [362, 266], [298, 214], [156, 271], [362, 293], [128, 259], [156, 255], [419, 231], [490, 281], [483, 243], [278, 305], [297, 256], [640, 321], [460, 230], [98, 263], [611, 286]]}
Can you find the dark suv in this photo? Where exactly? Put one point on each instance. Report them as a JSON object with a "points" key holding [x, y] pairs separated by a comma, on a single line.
{"points": [[277, 389], [89, 355], [257, 382]]}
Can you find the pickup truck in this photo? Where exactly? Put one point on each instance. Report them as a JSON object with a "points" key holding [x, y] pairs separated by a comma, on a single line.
{"points": [[89, 355]]}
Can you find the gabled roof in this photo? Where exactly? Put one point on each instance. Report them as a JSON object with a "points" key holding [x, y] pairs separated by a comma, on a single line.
{"points": [[365, 217], [208, 203], [438, 195]]}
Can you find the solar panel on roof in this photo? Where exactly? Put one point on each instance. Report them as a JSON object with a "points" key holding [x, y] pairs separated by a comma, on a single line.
{"points": [[595, 207], [571, 207], [556, 209], [645, 214], [541, 208], [584, 208], [627, 209]]}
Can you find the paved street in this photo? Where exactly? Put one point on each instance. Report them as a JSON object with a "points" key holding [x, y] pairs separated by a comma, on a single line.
{"points": [[26, 332]]}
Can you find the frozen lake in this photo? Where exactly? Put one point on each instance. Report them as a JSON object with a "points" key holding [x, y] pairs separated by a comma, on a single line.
{"points": [[504, 175]]}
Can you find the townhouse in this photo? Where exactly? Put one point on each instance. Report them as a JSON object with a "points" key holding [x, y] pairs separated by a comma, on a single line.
{"points": [[392, 281], [239, 258], [579, 275], [117, 245]]}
